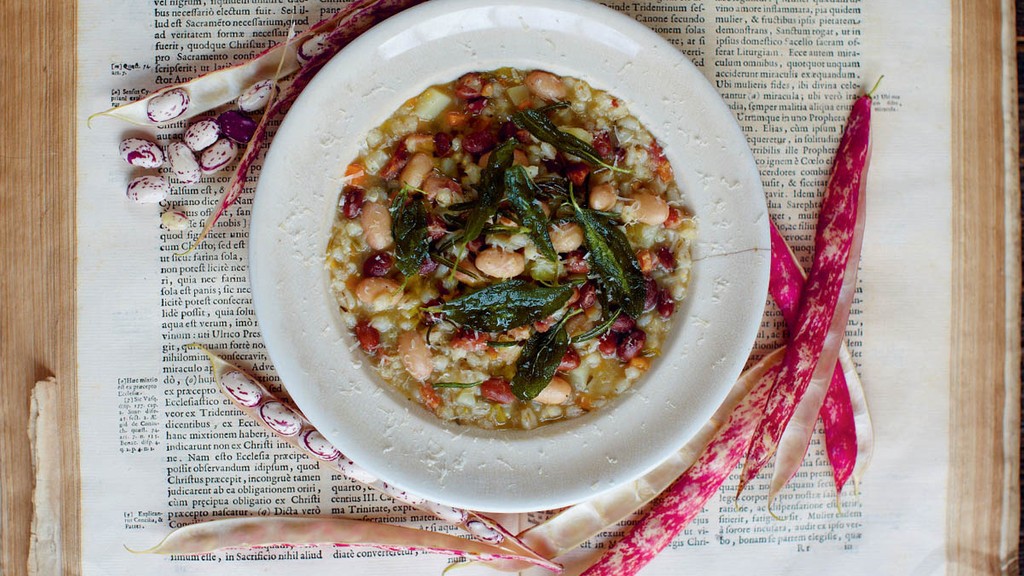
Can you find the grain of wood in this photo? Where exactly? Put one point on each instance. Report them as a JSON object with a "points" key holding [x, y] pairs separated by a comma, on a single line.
{"points": [[37, 314], [977, 496]]}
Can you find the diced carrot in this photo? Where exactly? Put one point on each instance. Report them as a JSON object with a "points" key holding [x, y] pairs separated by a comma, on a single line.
{"points": [[456, 119], [429, 396], [355, 174]]}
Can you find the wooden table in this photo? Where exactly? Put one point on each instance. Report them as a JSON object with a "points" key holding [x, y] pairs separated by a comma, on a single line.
{"points": [[37, 171], [37, 241]]}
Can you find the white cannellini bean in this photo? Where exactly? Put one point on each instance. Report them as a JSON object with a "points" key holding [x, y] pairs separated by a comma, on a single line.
{"points": [[141, 153], [174, 220], [545, 85], [167, 105], [217, 156], [566, 237], [498, 263], [148, 189], [650, 209], [416, 357], [416, 170], [368, 290], [202, 134], [256, 96], [376, 221], [183, 163], [556, 392], [602, 196]]}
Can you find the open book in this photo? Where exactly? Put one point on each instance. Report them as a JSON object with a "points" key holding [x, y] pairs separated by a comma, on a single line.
{"points": [[934, 329]]}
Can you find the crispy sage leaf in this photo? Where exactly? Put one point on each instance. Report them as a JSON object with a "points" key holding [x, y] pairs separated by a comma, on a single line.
{"points": [[491, 191], [613, 260], [409, 230], [538, 361], [536, 122], [506, 305], [521, 193]]}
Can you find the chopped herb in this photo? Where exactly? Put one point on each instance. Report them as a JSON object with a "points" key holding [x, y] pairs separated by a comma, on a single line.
{"points": [[457, 384]]}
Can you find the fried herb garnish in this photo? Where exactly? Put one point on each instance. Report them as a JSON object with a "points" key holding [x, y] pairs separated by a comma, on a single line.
{"points": [[409, 230], [536, 122], [506, 305]]}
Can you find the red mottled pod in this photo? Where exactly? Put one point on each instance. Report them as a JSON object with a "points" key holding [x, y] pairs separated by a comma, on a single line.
{"points": [[821, 311]]}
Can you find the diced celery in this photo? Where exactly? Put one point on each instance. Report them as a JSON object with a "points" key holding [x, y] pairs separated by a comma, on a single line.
{"points": [[431, 103], [519, 94]]}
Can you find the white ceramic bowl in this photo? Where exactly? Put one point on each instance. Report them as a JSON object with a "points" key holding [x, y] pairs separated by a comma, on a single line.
{"points": [[507, 470]]}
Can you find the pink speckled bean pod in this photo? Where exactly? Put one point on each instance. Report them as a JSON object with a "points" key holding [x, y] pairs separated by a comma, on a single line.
{"points": [[842, 432], [253, 532], [347, 26], [815, 342], [259, 404], [219, 87], [685, 498]]}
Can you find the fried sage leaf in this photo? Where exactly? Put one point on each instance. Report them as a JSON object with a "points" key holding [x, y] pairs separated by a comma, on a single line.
{"points": [[521, 193], [490, 193], [538, 361], [536, 122], [409, 230], [614, 261], [506, 305]]}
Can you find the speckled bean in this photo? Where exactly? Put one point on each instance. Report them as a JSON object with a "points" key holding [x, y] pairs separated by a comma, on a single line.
{"points": [[167, 105], [174, 220], [310, 48], [148, 189], [216, 157], [141, 153], [202, 134], [183, 163], [256, 96]]}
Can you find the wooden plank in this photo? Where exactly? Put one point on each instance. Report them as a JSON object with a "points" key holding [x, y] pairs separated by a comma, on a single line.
{"points": [[37, 285], [977, 498]]}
